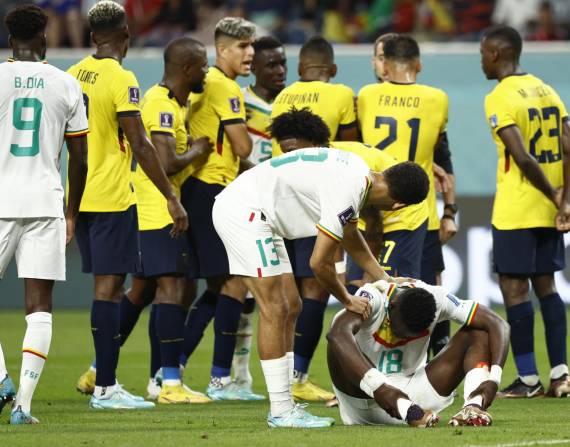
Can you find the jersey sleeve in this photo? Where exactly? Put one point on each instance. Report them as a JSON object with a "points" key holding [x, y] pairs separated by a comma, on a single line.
{"points": [[126, 93], [444, 104], [559, 104], [347, 105], [498, 112], [77, 120], [453, 308], [228, 102], [159, 117]]}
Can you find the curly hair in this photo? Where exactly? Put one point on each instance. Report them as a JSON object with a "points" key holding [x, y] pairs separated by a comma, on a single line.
{"points": [[106, 15], [407, 182], [26, 22], [417, 308], [301, 124]]}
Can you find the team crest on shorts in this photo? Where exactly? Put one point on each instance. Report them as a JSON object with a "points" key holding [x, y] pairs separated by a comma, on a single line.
{"points": [[234, 104], [346, 215], [493, 121], [166, 120], [134, 95]]}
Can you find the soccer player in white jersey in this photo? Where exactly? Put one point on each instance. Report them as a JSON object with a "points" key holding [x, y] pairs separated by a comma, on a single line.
{"points": [[313, 191], [40, 105], [378, 364]]}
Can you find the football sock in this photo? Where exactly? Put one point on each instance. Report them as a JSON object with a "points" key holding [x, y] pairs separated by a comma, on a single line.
{"points": [[242, 352], [439, 337], [155, 358], [308, 333], [276, 372], [554, 317], [34, 354], [3, 370], [521, 319], [199, 317], [129, 317], [473, 379], [104, 392], [226, 322], [170, 330], [291, 365], [352, 289], [107, 340]]}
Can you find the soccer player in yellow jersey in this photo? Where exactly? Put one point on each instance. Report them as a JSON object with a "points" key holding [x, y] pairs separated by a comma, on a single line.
{"points": [[219, 114], [530, 126], [107, 230], [334, 103], [431, 258]]}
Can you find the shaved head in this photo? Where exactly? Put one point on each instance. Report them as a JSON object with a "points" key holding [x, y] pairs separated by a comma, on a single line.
{"points": [[182, 50], [317, 50], [505, 39]]}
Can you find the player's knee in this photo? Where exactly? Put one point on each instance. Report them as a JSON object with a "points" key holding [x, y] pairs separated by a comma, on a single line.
{"points": [[543, 285], [310, 288], [294, 308], [274, 310], [514, 289], [109, 288]]}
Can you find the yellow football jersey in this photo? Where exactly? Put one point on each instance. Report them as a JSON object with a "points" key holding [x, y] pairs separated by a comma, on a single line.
{"points": [[161, 113], [334, 103], [536, 109], [220, 104], [408, 218], [258, 120], [108, 91], [405, 120]]}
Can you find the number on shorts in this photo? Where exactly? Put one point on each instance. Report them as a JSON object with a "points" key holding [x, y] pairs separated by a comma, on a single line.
{"points": [[390, 245], [262, 245], [27, 124], [391, 361]]}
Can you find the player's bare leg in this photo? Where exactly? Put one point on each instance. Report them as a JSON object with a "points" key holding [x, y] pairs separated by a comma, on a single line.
{"points": [[289, 290]]}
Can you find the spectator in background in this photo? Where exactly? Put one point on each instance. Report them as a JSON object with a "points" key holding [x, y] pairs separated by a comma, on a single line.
{"points": [[547, 29], [517, 14], [65, 23], [472, 17]]}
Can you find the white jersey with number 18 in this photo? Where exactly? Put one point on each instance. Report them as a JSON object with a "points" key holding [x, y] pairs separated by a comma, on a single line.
{"points": [[39, 106]]}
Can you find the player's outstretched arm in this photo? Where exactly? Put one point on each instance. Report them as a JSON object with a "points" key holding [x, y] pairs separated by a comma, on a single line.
{"points": [[563, 216], [147, 158], [239, 139], [356, 247], [173, 162], [373, 232], [77, 175], [513, 140]]}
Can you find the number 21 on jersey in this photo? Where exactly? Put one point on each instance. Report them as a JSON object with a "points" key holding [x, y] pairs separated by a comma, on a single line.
{"points": [[413, 124]]}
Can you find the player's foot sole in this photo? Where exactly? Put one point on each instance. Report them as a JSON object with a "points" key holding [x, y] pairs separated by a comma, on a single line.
{"points": [[471, 416]]}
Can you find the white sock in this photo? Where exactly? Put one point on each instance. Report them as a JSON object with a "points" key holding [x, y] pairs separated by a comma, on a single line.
{"points": [[3, 370], [276, 372], [34, 354], [104, 392], [172, 382], [473, 379], [219, 382], [555, 373], [531, 380], [240, 362], [291, 364]]}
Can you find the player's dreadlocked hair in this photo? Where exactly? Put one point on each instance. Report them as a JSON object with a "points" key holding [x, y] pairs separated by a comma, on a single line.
{"points": [[106, 15], [507, 35], [302, 124], [417, 308], [407, 182], [26, 22], [266, 43]]}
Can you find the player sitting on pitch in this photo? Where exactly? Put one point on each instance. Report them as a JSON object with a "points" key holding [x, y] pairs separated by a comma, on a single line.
{"points": [[377, 365]]}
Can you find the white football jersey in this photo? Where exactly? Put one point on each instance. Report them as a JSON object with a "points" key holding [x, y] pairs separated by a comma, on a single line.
{"points": [[258, 113], [393, 355], [307, 189], [39, 105]]}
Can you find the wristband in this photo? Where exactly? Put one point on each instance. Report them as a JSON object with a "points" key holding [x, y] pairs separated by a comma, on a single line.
{"points": [[340, 267], [403, 407], [371, 381], [495, 374]]}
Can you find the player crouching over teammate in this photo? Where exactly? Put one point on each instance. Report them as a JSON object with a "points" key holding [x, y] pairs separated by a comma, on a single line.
{"points": [[377, 365]]}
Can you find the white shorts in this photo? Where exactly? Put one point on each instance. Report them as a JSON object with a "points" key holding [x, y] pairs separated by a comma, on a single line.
{"points": [[253, 248], [356, 411], [39, 246]]}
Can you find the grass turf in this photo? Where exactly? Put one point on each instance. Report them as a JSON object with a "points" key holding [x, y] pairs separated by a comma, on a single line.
{"points": [[66, 419]]}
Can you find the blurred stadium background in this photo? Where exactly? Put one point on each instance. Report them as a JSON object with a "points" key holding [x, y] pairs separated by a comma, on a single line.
{"points": [[448, 31]]}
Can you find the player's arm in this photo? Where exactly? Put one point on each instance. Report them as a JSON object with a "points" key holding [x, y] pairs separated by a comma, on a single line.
{"points": [[348, 132], [322, 263], [442, 156], [359, 251], [373, 230], [513, 141], [359, 370], [147, 158], [563, 216], [173, 162], [239, 138], [77, 176], [348, 126]]}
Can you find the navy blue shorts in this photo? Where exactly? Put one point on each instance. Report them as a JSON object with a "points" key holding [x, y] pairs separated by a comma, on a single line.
{"points": [[163, 255], [108, 242], [529, 251], [299, 252], [432, 258], [208, 257], [401, 254]]}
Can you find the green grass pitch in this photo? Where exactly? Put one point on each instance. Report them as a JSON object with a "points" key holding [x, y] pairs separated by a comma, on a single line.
{"points": [[66, 419]]}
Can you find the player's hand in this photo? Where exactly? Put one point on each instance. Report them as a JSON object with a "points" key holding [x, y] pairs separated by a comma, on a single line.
{"points": [[202, 145], [359, 305], [69, 229], [179, 217], [429, 419], [387, 397], [441, 181], [562, 220], [488, 390], [447, 229]]}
